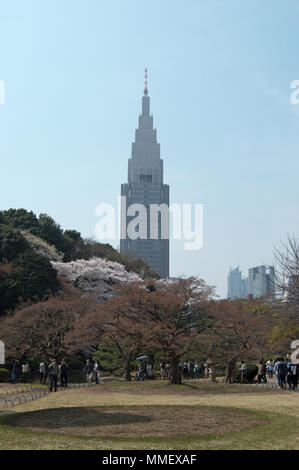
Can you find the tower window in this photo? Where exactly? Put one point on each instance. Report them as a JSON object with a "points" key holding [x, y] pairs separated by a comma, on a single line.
{"points": [[145, 178]]}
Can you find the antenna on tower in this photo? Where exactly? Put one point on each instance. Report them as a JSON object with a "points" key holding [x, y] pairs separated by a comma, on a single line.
{"points": [[145, 82]]}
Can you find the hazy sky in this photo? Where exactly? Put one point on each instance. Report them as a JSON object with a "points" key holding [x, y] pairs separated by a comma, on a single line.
{"points": [[219, 81]]}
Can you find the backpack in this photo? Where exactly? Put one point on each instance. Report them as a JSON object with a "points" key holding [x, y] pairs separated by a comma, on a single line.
{"points": [[281, 368], [53, 369]]}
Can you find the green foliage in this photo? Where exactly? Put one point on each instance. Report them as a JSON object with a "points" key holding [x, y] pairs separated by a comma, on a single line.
{"points": [[19, 219], [33, 276], [30, 278], [73, 234], [4, 375], [110, 359], [12, 243], [68, 242], [50, 231], [251, 372], [8, 294]]}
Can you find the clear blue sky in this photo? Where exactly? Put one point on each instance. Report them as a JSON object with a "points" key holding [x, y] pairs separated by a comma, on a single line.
{"points": [[219, 81]]}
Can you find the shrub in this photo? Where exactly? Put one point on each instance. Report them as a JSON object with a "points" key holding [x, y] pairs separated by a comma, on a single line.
{"points": [[251, 372], [4, 375]]}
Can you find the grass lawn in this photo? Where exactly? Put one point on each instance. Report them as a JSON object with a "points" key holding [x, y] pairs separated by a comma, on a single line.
{"points": [[154, 415]]}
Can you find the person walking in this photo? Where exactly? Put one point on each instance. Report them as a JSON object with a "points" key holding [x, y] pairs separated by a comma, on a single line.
{"points": [[292, 375], [63, 373], [141, 372], [261, 372], [270, 367], [42, 372], [97, 371], [280, 370], [53, 372]]}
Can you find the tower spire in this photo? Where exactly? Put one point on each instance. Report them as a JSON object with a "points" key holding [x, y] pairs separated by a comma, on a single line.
{"points": [[145, 82]]}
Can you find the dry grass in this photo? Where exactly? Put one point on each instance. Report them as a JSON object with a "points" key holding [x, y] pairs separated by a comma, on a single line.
{"points": [[153, 415], [8, 389], [134, 422]]}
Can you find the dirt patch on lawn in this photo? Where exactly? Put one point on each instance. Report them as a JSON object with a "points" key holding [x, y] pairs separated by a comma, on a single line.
{"points": [[136, 421]]}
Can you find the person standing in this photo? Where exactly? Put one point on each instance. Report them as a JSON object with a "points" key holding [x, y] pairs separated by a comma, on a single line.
{"points": [[280, 370], [190, 367], [97, 371], [270, 367], [197, 370], [53, 372], [63, 373], [88, 371], [25, 372], [185, 370], [163, 370], [14, 371], [42, 372], [206, 369], [243, 371], [149, 371]]}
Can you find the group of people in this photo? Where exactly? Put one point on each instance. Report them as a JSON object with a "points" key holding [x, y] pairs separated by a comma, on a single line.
{"points": [[17, 368], [285, 371], [93, 371], [144, 371], [53, 373], [189, 370]]}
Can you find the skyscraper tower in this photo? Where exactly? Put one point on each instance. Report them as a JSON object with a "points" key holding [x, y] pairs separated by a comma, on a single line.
{"points": [[145, 187]]}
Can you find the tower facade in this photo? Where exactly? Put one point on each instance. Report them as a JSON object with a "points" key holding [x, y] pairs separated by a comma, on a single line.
{"points": [[145, 198], [261, 281]]}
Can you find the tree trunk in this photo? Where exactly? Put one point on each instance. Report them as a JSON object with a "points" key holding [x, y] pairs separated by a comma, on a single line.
{"points": [[175, 376], [128, 371], [229, 377]]}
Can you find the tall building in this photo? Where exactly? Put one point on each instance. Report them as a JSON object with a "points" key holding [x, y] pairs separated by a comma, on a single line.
{"points": [[270, 283], [145, 229], [259, 283], [237, 287]]}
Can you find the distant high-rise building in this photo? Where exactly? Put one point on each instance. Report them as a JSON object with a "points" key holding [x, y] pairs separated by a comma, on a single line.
{"points": [[244, 287], [145, 187], [236, 285], [270, 286], [261, 282]]}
